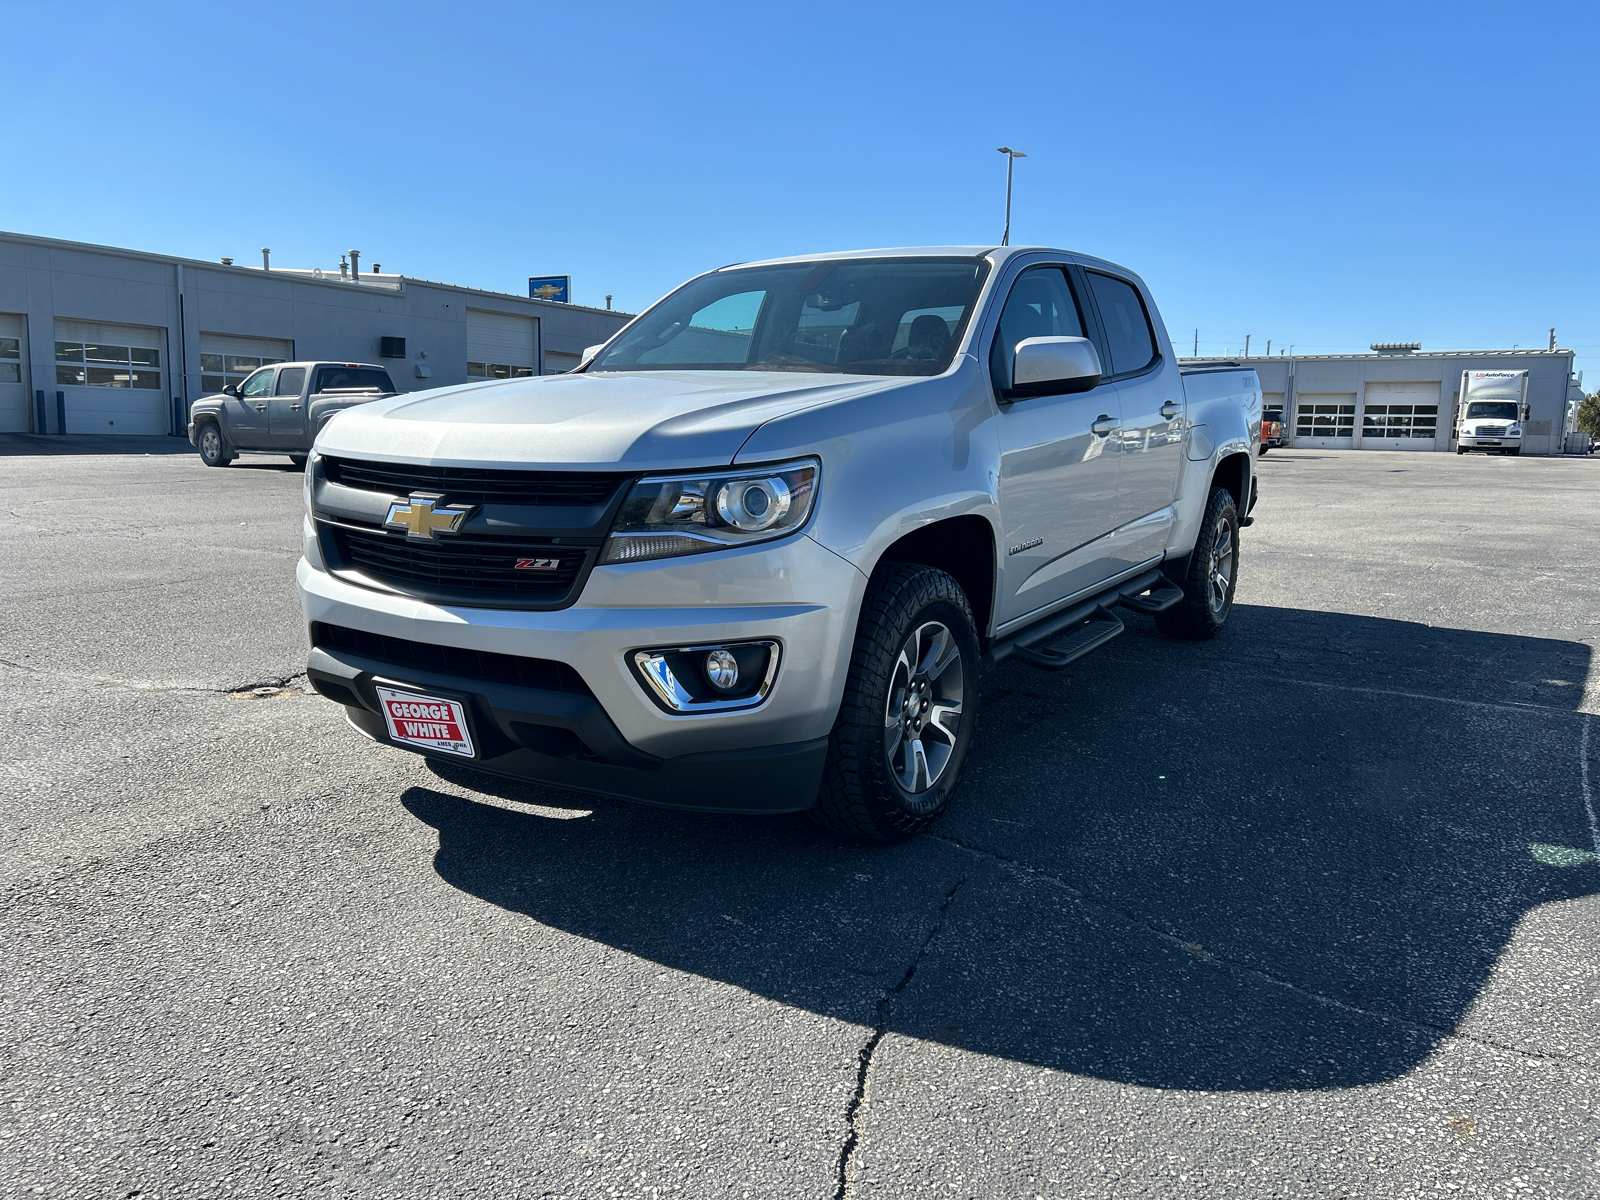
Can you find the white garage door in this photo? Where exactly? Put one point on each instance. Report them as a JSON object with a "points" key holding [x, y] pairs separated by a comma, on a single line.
{"points": [[501, 345], [113, 377], [1325, 420], [13, 373], [228, 357], [1400, 416]]}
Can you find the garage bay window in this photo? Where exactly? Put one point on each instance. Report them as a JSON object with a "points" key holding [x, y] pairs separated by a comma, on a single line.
{"points": [[1399, 420], [1325, 420], [100, 364], [10, 360], [220, 370], [478, 370]]}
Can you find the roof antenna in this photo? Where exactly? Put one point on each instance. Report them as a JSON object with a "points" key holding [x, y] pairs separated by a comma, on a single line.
{"points": [[1011, 159]]}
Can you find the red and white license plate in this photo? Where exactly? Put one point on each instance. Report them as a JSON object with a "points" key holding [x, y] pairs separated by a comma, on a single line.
{"points": [[427, 722]]}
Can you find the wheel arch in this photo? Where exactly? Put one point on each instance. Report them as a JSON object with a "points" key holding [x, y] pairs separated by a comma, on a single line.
{"points": [[1233, 473], [964, 548]]}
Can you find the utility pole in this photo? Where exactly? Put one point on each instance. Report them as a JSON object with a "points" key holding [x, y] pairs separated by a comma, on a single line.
{"points": [[1247, 345], [1197, 343], [1011, 159], [1269, 347], [1552, 339]]}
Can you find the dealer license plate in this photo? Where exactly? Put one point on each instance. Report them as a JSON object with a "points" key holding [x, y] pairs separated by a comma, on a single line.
{"points": [[427, 722]]}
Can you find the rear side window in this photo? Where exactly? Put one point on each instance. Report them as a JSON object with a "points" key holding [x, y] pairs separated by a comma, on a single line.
{"points": [[290, 381], [330, 379], [1041, 304], [1129, 338]]}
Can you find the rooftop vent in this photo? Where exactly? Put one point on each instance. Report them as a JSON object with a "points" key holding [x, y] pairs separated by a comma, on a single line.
{"points": [[1396, 347], [227, 262]]}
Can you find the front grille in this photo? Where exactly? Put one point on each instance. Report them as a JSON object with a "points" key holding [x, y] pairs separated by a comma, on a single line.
{"points": [[1491, 430], [475, 485], [483, 567], [482, 665]]}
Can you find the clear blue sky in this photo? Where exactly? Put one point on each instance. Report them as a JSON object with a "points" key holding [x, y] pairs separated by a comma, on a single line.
{"points": [[1322, 177]]}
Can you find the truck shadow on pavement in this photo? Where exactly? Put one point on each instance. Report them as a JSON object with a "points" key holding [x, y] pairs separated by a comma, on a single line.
{"points": [[1287, 859]]}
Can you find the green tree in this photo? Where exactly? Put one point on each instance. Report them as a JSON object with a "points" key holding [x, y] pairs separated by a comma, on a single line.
{"points": [[1589, 415]]}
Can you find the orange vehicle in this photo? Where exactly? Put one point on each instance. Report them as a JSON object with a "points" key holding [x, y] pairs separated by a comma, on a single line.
{"points": [[1273, 432]]}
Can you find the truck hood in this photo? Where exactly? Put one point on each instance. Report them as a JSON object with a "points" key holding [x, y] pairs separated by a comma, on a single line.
{"points": [[650, 421]]}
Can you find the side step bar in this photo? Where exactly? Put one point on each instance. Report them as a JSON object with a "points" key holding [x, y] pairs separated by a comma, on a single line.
{"points": [[1100, 628], [1068, 635]]}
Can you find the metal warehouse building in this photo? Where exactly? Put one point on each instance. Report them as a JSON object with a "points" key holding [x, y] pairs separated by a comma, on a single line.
{"points": [[119, 341], [1402, 398]]}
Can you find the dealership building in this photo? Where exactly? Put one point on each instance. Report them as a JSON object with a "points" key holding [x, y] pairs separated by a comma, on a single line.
{"points": [[95, 339], [1401, 398]]}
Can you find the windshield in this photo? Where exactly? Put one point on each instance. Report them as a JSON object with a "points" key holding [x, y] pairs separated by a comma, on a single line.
{"points": [[888, 316], [1492, 410]]}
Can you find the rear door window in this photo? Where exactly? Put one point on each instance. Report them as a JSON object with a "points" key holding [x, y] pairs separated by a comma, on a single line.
{"points": [[1130, 340], [290, 381], [1041, 304]]}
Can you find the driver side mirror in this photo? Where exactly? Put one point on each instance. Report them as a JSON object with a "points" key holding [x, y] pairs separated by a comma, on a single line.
{"points": [[1053, 366], [231, 390]]}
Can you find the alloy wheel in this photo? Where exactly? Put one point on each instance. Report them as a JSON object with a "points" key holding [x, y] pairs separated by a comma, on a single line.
{"points": [[1224, 561], [923, 714]]}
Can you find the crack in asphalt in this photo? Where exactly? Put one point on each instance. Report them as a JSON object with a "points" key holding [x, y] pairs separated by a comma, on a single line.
{"points": [[1268, 977], [849, 1157], [134, 685]]}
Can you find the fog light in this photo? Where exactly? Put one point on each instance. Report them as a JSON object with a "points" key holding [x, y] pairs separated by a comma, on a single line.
{"points": [[722, 669]]}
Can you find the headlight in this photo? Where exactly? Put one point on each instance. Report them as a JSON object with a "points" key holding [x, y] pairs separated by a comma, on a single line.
{"points": [[1513, 430], [667, 516], [309, 485]]}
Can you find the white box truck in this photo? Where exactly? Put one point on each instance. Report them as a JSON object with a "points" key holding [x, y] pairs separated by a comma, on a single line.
{"points": [[1494, 404]]}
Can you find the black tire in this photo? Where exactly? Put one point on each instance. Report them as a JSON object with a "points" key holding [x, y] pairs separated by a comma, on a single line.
{"points": [[214, 448], [864, 793], [1262, 450], [1212, 575], [298, 461], [1460, 450]]}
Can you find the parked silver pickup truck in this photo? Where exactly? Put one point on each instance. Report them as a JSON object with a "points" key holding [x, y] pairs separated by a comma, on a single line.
{"points": [[755, 552], [280, 409]]}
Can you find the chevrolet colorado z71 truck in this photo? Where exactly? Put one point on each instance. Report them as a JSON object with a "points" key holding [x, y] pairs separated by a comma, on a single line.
{"points": [[753, 554], [280, 409]]}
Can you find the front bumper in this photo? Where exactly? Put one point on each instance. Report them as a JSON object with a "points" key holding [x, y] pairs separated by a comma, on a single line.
{"points": [[610, 737], [1490, 443]]}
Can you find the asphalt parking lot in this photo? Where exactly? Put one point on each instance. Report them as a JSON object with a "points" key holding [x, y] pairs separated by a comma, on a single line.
{"points": [[1310, 910]]}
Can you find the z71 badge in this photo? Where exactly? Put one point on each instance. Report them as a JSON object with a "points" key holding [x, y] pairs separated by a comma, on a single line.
{"points": [[538, 564]]}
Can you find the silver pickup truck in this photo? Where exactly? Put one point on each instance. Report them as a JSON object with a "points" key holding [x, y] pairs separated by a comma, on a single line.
{"points": [[280, 409], [754, 554]]}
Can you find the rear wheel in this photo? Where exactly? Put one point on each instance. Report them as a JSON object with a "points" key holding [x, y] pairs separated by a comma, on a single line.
{"points": [[214, 448], [1209, 581], [900, 740]]}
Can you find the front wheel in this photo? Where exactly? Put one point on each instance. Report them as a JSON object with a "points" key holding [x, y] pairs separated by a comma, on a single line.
{"points": [[1262, 450], [214, 448], [900, 740], [1213, 571], [298, 461]]}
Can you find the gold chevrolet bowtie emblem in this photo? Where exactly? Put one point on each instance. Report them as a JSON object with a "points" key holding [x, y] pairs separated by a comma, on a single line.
{"points": [[422, 516]]}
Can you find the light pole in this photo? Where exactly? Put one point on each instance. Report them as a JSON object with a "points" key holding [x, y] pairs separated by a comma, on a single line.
{"points": [[1011, 159]]}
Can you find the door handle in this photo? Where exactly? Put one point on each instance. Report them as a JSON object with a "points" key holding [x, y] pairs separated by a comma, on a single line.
{"points": [[1103, 425], [1171, 409], [294, 408], [261, 408]]}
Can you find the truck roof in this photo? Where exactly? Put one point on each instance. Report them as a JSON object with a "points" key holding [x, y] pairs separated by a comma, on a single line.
{"points": [[329, 362], [999, 253]]}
